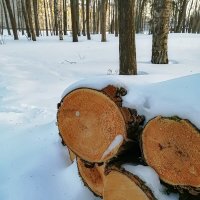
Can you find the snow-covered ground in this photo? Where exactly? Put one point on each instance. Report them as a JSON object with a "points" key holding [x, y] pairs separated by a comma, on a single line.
{"points": [[33, 75]]}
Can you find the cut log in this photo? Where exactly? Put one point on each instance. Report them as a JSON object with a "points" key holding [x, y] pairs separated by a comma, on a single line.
{"points": [[93, 124], [92, 177], [120, 184], [172, 147]]}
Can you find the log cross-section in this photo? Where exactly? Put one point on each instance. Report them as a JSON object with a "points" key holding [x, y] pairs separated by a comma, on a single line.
{"points": [[120, 184], [93, 177], [172, 147], [89, 121], [93, 124]]}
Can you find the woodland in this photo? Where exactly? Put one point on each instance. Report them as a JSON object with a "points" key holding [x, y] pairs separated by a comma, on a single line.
{"points": [[99, 99]]}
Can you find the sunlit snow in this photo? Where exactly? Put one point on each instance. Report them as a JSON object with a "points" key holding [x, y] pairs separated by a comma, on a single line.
{"points": [[34, 75]]}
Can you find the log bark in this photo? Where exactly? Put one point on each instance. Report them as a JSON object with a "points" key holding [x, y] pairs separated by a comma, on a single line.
{"points": [[92, 177], [93, 124], [121, 184], [172, 147]]}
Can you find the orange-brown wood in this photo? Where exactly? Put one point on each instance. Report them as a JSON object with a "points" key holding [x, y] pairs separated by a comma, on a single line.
{"points": [[89, 121], [172, 147], [93, 177], [120, 185]]}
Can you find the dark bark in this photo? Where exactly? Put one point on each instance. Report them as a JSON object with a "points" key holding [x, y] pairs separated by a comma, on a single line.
{"points": [[65, 17], [127, 49], [30, 20], [88, 19], [26, 19], [83, 16], [77, 17], [12, 19], [116, 19], [35, 9], [73, 18], [2, 21], [94, 17], [103, 19], [56, 16], [6, 17]]}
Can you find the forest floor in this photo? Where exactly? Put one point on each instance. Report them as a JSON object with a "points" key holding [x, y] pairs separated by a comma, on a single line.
{"points": [[33, 75]]}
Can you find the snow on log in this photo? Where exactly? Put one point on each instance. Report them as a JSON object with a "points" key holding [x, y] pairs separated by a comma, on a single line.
{"points": [[121, 184], [171, 146], [92, 177], [93, 124]]}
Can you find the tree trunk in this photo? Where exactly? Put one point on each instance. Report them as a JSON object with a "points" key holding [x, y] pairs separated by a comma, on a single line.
{"points": [[56, 16], [116, 19], [12, 19], [88, 19], [98, 15], [35, 9], [26, 19], [171, 146], [103, 19], [2, 22], [127, 49], [181, 16], [160, 32], [94, 17], [121, 183], [29, 12], [77, 17], [104, 128], [18, 16], [188, 17], [6, 17], [46, 20], [50, 17], [73, 18], [83, 16], [65, 17]]}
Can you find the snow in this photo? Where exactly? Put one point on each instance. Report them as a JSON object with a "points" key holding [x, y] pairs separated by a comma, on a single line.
{"points": [[33, 76], [117, 141], [151, 179]]}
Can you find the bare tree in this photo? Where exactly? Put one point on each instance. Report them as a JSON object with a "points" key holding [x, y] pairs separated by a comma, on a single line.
{"points": [[83, 16], [73, 18], [65, 17], [30, 20], [182, 15], [103, 19], [160, 31], [116, 19], [77, 17], [127, 49], [36, 20], [56, 16], [12, 19], [25, 19], [6, 17], [88, 19], [46, 20]]}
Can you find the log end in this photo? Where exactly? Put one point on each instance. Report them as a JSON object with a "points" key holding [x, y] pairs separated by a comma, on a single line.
{"points": [[172, 147]]}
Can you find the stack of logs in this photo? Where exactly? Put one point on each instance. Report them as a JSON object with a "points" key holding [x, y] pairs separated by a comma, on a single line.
{"points": [[103, 135]]}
